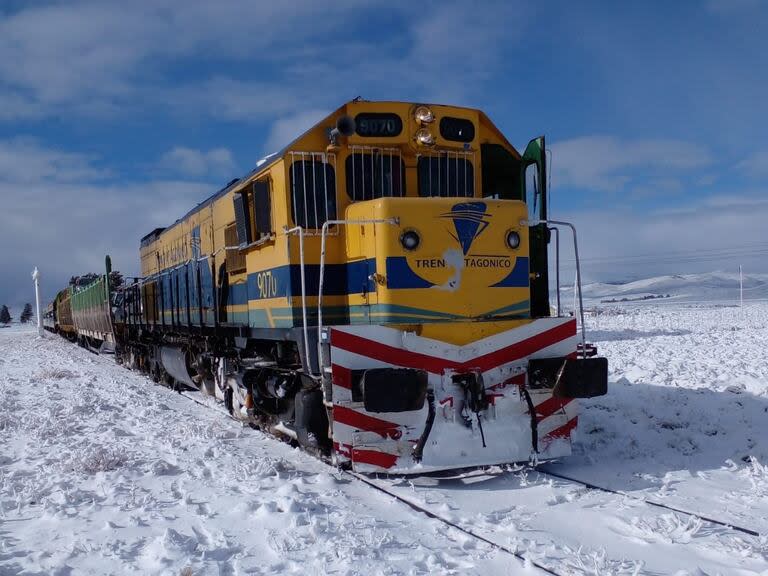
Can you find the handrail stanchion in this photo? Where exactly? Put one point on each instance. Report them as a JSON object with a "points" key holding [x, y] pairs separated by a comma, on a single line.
{"points": [[300, 232], [323, 235], [557, 264], [578, 272]]}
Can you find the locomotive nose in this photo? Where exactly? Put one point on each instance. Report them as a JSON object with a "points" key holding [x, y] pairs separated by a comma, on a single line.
{"points": [[443, 253]]}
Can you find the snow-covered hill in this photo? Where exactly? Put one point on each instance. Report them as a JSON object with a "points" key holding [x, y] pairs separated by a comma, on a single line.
{"points": [[712, 286]]}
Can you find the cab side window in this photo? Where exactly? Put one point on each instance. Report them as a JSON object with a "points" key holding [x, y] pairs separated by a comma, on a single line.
{"points": [[262, 209], [313, 191]]}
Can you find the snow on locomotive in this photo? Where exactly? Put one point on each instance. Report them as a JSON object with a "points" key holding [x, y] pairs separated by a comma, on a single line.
{"points": [[378, 292]]}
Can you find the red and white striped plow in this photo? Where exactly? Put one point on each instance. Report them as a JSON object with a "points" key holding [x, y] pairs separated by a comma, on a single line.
{"points": [[385, 441]]}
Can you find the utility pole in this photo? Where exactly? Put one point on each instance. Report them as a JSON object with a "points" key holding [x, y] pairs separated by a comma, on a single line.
{"points": [[36, 278], [741, 288]]}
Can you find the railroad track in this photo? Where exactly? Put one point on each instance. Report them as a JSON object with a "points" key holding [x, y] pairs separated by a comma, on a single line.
{"points": [[436, 516], [542, 470], [525, 561], [528, 560]]}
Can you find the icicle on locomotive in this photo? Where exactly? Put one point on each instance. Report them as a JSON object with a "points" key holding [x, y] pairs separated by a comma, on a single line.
{"points": [[377, 292]]}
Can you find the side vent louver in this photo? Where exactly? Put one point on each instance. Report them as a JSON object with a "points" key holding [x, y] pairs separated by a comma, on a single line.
{"points": [[241, 218]]}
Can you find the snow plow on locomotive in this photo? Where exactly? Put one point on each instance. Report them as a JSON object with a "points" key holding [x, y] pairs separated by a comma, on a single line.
{"points": [[377, 292]]}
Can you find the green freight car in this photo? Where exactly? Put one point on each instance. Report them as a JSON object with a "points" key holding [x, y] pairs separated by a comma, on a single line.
{"points": [[92, 313]]}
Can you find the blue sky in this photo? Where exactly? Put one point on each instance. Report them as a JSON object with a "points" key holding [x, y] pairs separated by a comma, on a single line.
{"points": [[116, 117]]}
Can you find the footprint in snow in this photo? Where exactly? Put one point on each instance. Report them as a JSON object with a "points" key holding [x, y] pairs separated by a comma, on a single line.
{"points": [[163, 468]]}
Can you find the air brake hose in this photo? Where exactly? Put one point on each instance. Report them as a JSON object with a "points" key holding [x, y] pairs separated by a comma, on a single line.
{"points": [[418, 450], [480, 426], [534, 422]]}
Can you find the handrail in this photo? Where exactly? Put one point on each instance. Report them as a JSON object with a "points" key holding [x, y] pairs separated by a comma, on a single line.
{"points": [[557, 265], [300, 231], [578, 271], [323, 235]]}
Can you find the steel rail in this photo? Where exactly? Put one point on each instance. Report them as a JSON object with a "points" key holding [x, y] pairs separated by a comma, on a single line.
{"points": [[653, 503], [435, 516]]}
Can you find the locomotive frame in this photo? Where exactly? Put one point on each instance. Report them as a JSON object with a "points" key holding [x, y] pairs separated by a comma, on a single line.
{"points": [[396, 319]]}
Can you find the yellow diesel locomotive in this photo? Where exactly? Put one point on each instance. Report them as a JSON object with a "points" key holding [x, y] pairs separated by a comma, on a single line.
{"points": [[377, 292]]}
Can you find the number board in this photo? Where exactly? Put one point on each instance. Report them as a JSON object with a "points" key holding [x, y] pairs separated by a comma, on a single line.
{"points": [[457, 129], [378, 124]]}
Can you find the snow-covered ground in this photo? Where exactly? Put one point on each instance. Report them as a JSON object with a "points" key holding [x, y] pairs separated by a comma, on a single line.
{"points": [[102, 472], [686, 417]]}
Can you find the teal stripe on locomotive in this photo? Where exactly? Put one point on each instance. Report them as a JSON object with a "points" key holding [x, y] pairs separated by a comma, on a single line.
{"points": [[384, 314], [518, 307]]}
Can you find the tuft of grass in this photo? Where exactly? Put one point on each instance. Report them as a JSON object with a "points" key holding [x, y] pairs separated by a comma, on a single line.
{"points": [[100, 460], [56, 374]]}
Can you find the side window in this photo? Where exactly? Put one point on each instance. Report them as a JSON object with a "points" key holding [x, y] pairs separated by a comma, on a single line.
{"points": [[446, 175], [375, 174], [532, 190], [262, 209], [235, 260], [242, 218], [313, 190]]}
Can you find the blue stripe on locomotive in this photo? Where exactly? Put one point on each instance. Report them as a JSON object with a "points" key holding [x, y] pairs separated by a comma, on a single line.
{"points": [[285, 282], [338, 280]]}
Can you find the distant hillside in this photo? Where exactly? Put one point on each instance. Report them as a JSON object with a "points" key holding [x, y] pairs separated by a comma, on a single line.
{"points": [[687, 287]]}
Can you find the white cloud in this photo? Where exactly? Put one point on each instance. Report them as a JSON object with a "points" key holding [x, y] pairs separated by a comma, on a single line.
{"points": [[84, 54], [14, 106], [68, 229], [193, 162], [226, 98], [657, 187], [112, 57], [755, 165], [59, 214], [465, 38], [713, 233], [732, 6], [23, 160], [607, 163], [287, 129]]}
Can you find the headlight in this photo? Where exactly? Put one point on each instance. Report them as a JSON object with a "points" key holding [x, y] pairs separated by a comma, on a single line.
{"points": [[425, 138], [410, 239], [513, 240], [423, 115]]}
